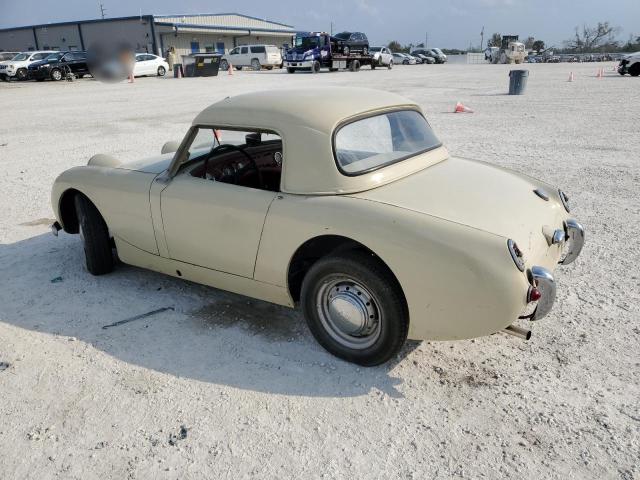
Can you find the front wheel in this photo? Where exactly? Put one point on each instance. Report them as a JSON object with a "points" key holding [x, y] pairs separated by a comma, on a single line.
{"points": [[355, 308], [56, 74], [161, 71], [95, 237], [390, 66], [634, 71], [315, 68], [21, 74], [291, 70], [224, 65], [255, 64]]}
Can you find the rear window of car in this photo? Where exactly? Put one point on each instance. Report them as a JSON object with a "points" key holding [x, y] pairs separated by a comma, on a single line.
{"points": [[272, 49], [258, 49], [375, 142]]}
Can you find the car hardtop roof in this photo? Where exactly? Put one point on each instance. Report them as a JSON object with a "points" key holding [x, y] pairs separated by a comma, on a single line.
{"points": [[306, 119], [318, 108]]}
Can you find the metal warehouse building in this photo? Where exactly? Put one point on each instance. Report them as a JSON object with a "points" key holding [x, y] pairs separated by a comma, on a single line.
{"points": [[151, 33]]}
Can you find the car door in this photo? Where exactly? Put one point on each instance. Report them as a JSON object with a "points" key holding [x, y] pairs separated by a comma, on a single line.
{"points": [[244, 56], [212, 224], [234, 56]]}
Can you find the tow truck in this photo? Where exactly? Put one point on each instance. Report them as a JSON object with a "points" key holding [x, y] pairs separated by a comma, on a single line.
{"points": [[313, 51]]}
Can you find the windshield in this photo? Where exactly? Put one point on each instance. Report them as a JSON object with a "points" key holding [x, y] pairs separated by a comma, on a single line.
{"points": [[343, 36], [307, 42], [375, 49], [54, 56], [378, 141], [20, 57], [438, 51]]}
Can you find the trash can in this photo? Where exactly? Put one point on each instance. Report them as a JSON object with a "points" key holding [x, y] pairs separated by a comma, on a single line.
{"points": [[204, 65], [517, 81]]}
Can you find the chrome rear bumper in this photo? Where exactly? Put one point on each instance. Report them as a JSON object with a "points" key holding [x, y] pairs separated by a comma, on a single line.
{"points": [[574, 241]]}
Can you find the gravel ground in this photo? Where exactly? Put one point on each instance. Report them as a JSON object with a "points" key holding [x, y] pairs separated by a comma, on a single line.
{"points": [[227, 387]]}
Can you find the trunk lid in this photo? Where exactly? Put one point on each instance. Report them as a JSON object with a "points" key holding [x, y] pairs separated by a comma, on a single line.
{"points": [[481, 196]]}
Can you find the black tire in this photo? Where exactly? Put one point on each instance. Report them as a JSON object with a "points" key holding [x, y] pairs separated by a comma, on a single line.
{"points": [[390, 66], [368, 271], [95, 237], [634, 71], [355, 66], [224, 65], [291, 70], [269, 67], [315, 68], [56, 75], [21, 74], [373, 64], [255, 65], [162, 71], [238, 68]]}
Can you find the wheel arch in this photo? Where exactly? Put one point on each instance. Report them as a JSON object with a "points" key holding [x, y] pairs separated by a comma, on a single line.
{"points": [[68, 214], [321, 246]]}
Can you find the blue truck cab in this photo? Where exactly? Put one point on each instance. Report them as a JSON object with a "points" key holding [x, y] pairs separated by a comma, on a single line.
{"points": [[312, 51]]}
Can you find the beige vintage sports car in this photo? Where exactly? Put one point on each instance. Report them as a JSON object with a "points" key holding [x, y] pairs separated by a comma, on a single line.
{"points": [[341, 200]]}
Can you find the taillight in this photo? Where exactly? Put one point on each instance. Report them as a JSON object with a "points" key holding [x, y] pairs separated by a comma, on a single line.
{"points": [[516, 254], [534, 294]]}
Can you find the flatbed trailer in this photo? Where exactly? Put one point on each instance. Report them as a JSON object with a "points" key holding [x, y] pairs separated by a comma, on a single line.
{"points": [[334, 63]]}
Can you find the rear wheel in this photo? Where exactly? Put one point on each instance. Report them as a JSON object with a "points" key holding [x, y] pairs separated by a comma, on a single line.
{"points": [[355, 308], [56, 74], [634, 71], [161, 71], [291, 70], [355, 66], [95, 237], [255, 64], [315, 68]]}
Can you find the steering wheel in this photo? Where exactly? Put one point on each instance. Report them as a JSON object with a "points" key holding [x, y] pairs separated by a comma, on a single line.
{"points": [[228, 146]]}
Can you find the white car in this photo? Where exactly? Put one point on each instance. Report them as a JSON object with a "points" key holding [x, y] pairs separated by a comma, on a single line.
{"points": [[18, 66], [403, 59], [254, 56], [630, 64], [382, 56], [148, 64]]}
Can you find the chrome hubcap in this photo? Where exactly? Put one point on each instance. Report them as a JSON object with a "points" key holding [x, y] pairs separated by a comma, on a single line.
{"points": [[349, 312]]}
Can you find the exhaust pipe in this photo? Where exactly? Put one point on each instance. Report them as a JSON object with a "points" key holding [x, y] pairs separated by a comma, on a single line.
{"points": [[522, 333]]}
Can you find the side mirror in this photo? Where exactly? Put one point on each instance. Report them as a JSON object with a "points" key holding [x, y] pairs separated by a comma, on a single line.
{"points": [[170, 147]]}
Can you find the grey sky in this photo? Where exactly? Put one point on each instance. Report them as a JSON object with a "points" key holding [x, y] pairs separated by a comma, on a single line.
{"points": [[453, 23]]}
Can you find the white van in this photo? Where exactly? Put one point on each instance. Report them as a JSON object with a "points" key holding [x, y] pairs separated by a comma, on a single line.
{"points": [[254, 56]]}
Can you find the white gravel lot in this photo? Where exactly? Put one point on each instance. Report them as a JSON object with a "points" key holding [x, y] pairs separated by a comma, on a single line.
{"points": [[257, 396]]}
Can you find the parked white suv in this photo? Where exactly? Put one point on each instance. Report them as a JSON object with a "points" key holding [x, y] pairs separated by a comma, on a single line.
{"points": [[18, 65], [254, 56], [382, 56]]}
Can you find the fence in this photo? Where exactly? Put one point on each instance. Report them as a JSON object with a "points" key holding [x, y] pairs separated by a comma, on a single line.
{"points": [[476, 58]]}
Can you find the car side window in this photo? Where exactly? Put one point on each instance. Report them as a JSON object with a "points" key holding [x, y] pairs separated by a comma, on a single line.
{"points": [[234, 51], [258, 49], [244, 50]]}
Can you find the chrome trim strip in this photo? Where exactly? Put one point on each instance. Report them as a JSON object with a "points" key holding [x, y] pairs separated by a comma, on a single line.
{"points": [[575, 241], [542, 194], [565, 200], [511, 245], [543, 280]]}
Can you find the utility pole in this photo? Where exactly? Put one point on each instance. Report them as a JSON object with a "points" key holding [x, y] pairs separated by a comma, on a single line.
{"points": [[331, 32], [102, 10], [426, 39], [481, 38]]}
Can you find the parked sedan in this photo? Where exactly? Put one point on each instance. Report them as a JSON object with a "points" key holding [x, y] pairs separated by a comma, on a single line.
{"points": [[148, 64], [17, 66], [372, 245], [57, 65], [351, 42], [403, 59], [425, 59]]}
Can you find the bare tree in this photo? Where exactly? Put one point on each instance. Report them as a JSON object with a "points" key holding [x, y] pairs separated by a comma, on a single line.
{"points": [[538, 46], [590, 39]]}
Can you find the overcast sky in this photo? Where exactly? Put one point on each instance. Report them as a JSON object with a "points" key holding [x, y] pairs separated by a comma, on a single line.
{"points": [[450, 24]]}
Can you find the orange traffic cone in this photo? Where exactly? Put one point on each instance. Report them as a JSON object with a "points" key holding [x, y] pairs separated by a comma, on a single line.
{"points": [[230, 69], [571, 77], [460, 108]]}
